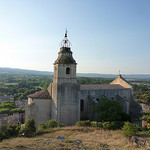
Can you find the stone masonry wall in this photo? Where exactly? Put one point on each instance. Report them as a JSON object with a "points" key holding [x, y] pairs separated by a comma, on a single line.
{"points": [[41, 111], [68, 103], [124, 95]]}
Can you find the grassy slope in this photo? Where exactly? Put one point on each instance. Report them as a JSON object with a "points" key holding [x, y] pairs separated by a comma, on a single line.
{"points": [[91, 140]]}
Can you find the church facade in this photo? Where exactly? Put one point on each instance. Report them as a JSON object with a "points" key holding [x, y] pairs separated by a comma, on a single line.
{"points": [[68, 102]]}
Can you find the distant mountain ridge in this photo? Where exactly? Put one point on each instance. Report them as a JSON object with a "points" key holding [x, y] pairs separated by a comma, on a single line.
{"points": [[96, 75], [23, 71]]}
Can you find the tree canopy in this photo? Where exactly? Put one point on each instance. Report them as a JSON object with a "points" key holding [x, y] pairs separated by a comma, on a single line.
{"points": [[109, 110]]}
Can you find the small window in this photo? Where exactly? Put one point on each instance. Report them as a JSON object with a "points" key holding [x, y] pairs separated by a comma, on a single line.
{"points": [[82, 105], [68, 70]]}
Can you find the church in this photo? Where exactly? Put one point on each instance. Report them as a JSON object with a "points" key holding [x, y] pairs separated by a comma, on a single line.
{"points": [[68, 102]]}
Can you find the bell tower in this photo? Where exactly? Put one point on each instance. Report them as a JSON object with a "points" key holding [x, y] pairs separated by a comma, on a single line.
{"points": [[65, 90], [65, 65]]}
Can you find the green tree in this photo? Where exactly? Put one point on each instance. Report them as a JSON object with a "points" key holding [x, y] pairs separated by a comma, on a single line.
{"points": [[109, 110], [8, 104], [17, 110]]}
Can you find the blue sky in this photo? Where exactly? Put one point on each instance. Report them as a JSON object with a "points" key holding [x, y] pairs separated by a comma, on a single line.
{"points": [[106, 35]]}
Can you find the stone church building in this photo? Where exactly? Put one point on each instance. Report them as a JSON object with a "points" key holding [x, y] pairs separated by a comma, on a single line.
{"points": [[66, 101]]}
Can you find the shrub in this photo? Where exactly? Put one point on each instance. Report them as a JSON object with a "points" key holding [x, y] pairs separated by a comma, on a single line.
{"points": [[13, 130], [104, 145], [42, 126], [29, 129], [106, 125], [4, 131], [86, 123], [2, 136], [100, 124], [129, 129], [10, 130], [94, 124], [51, 124], [60, 125], [116, 125]]}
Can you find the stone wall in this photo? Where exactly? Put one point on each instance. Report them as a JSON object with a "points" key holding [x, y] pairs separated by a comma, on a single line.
{"points": [[60, 75], [39, 110], [68, 103], [123, 95], [135, 111]]}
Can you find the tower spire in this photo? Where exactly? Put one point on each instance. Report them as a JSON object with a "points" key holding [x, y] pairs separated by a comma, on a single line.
{"points": [[65, 42]]}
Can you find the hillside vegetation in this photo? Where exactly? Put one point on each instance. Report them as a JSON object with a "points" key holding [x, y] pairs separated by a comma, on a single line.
{"points": [[89, 138]]}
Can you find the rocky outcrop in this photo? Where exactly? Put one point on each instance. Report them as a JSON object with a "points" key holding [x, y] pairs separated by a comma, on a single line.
{"points": [[142, 142]]}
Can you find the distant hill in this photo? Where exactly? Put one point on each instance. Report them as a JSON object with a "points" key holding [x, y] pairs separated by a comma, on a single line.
{"points": [[23, 71], [112, 76], [96, 75]]}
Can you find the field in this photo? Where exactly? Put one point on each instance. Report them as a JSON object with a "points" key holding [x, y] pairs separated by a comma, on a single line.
{"points": [[89, 139]]}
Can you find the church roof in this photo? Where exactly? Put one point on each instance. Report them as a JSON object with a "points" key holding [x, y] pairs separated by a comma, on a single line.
{"points": [[65, 50], [64, 59], [100, 86], [65, 54], [120, 80], [40, 95]]}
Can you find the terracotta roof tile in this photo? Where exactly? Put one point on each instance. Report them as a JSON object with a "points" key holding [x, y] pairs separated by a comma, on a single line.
{"points": [[40, 95], [100, 86]]}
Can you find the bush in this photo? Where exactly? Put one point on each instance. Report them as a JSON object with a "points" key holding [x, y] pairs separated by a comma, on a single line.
{"points": [[100, 124], [42, 126], [94, 124], [10, 130], [13, 130], [60, 125], [2, 136], [51, 124], [129, 129], [104, 145], [29, 129], [106, 125], [85, 123], [115, 125], [4, 131]]}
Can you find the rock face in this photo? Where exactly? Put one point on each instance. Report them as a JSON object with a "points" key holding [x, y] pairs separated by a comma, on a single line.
{"points": [[142, 142]]}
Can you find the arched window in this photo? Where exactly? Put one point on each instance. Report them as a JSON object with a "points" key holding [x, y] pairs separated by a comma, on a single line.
{"points": [[82, 105], [68, 70]]}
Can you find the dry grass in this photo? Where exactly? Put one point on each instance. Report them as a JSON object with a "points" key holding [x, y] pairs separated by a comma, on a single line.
{"points": [[92, 139]]}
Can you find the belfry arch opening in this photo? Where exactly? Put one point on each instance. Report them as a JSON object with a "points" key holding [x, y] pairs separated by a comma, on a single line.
{"points": [[68, 70]]}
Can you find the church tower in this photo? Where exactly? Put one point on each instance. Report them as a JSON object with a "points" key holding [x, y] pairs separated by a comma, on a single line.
{"points": [[65, 90]]}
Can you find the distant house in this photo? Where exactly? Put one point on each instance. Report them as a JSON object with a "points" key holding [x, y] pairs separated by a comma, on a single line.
{"points": [[6, 98]]}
